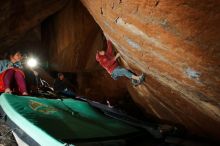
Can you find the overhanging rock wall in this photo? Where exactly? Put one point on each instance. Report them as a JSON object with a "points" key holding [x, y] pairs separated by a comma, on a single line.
{"points": [[176, 44]]}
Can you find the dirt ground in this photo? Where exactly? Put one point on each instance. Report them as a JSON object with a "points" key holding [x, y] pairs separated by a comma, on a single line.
{"points": [[6, 136]]}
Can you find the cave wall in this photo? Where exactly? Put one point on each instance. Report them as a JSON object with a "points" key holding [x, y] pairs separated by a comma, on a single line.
{"points": [[176, 44], [31, 45], [19, 17], [72, 38]]}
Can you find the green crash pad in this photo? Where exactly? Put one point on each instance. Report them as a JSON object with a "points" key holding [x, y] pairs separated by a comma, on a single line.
{"points": [[53, 121]]}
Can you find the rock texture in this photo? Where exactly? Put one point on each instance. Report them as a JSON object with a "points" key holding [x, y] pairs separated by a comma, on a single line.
{"points": [[18, 17], [176, 43], [72, 38]]}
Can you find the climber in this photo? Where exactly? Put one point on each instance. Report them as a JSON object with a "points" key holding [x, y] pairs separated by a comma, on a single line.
{"points": [[109, 62]]}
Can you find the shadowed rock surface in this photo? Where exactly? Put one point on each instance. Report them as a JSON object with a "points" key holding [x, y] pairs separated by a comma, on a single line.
{"points": [[18, 17]]}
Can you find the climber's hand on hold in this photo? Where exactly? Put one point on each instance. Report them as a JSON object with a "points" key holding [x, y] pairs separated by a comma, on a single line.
{"points": [[117, 56], [106, 36]]}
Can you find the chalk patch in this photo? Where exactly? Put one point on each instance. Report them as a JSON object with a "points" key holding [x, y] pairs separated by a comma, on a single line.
{"points": [[132, 43], [192, 73]]}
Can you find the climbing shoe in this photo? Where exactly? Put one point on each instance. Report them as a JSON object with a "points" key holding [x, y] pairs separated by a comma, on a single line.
{"points": [[134, 82], [141, 78], [138, 82]]}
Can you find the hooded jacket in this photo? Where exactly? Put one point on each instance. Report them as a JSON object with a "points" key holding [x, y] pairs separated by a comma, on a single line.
{"points": [[108, 59]]}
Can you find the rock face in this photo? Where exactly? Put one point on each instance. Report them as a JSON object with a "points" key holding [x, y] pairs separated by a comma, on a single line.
{"points": [[18, 17], [176, 44], [72, 38]]}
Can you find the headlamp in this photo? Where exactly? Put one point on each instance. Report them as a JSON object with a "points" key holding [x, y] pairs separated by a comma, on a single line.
{"points": [[32, 62]]}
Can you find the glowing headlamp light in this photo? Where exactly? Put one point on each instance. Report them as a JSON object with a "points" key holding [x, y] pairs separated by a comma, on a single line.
{"points": [[32, 62]]}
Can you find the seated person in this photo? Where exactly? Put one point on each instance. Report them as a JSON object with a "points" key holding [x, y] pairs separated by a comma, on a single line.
{"points": [[61, 86], [11, 74]]}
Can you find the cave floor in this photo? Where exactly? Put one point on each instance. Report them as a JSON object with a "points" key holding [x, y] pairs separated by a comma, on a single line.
{"points": [[6, 136]]}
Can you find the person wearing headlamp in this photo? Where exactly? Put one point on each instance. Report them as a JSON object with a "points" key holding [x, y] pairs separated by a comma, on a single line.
{"points": [[10, 71]]}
